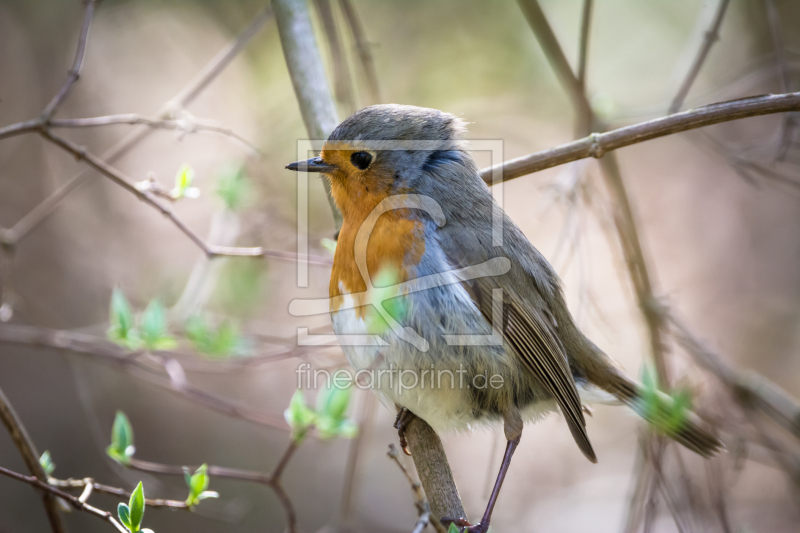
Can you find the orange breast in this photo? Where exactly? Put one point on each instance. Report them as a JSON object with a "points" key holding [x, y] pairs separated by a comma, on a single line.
{"points": [[395, 243]]}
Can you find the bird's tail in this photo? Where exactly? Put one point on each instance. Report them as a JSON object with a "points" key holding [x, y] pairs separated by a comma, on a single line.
{"points": [[682, 425]]}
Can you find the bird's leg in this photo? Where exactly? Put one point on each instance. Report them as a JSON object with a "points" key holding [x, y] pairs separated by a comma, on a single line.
{"points": [[404, 417], [513, 432]]}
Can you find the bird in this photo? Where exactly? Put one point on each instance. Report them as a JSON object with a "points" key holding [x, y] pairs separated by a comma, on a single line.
{"points": [[467, 318]]}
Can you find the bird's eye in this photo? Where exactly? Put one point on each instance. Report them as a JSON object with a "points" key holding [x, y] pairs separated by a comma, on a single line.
{"points": [[361, 160]]}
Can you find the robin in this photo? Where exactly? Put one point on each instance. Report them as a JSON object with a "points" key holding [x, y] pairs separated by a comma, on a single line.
{"points": [[470, 326]]}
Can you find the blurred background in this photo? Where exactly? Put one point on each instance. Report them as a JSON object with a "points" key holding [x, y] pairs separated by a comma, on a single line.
{"points": [[718, 212]]}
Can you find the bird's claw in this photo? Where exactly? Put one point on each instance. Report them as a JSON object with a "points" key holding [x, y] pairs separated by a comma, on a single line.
{"points": [[404, 416], [464, 526]]}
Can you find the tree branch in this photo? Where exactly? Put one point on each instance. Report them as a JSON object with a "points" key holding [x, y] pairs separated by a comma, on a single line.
{"points": [[434, 471], [69, 498], [74, 72], [363, 49], [598, 144], [30, 456], [308, 76], [711, 36]]}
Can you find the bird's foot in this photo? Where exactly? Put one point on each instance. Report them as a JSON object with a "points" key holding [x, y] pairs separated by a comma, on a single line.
{"points": [[464, 526], [404, 416]]}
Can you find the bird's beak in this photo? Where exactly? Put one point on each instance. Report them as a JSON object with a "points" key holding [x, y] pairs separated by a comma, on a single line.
{"points": [[315, 164]]}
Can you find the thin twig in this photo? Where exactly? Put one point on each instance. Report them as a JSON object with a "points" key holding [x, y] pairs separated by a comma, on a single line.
{"points": [[271, 480], [113, 491], [69, 498], [24, 443], [87, 345], [185, 97], [711, 36], [342, 83], [74, 72], [363, 49], [423, 508], [788, 126], [583, 47]]}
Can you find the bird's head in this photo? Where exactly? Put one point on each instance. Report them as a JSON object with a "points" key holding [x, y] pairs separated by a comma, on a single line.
{"points": [[390, 149]]}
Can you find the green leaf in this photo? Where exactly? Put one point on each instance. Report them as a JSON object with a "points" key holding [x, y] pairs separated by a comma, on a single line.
{"points": [[329, 244], [47, 463], [299, 416], [453, 528], [136, 505], [121, 448], [154, 331], [183, 183], [124, 514], [123, 327], [666, 412], [187, 476], [223, 342], [385, 295], [232, 187], [333, 401], [198, 483], [348, 429]]}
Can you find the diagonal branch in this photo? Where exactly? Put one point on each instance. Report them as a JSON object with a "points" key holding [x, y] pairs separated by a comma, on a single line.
{"points": [[53, 492], [363, 49], [30, 456], [711, 36]]}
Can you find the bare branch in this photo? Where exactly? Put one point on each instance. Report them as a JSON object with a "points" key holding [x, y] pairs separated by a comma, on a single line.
{"points": [[89, 483], [185, 123], [69, 498], [342, 83], [308, 76], [711, 36], [789, 121], [583, 48], [30, 456], [88, 345], [598, 144], [74, 72], [363, 49], [751, 389], [187, 95], [271, 480]]}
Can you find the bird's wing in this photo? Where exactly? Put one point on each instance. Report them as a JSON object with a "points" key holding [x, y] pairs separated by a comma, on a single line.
{"points": [[528, 323], [533, 341]]}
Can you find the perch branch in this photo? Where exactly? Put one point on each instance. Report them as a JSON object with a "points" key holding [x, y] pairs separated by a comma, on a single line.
{"points": [[434, 471]]}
